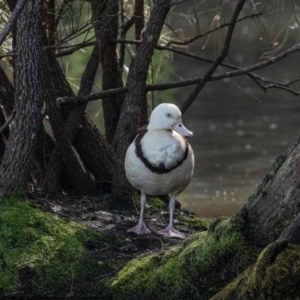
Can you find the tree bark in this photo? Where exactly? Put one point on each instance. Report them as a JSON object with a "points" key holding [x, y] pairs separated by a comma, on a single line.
{"points": [[62, 88], [139, 26], [3, 135], [272, 211], [89, 140], [107, 30], [50, 21], [7, 93], [45, 144], [132, 104], [31, 87], [43, 152], [77, 179]]}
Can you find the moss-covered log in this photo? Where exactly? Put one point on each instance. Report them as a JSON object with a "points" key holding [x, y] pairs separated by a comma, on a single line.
{"points": [[275, 275], [197, 269]]}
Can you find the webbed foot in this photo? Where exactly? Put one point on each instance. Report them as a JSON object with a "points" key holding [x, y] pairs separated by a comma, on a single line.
{"points": [[140, 229], [172, 232]]}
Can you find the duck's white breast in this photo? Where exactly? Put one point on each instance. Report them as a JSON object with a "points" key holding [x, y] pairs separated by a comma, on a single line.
{"points": [[160, 147]]}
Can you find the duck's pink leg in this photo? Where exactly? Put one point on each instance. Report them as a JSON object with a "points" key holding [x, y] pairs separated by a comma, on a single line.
{"points": [[170, 231], [141, 228]]}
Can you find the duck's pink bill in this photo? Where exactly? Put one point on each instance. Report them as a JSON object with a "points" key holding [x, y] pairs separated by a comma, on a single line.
{"points": [[178, 127]]}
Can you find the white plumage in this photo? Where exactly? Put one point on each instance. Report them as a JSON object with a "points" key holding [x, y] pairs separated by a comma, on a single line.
{"points": [[160, 162]]}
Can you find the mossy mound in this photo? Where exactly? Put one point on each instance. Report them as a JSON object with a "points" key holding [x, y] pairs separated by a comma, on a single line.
{"points": [[197, 269], [275, 275], [43, 255], [196, 223]]}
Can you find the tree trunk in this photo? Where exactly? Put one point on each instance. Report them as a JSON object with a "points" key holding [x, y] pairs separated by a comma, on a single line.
{"points": [[132, 105], [81, 180], [3, 135], [45, 144], [107, 29], [139, 26], [89, 140], [273, 209], [95, 160], [77, 179], [43, 152], [7, 93], [30, 89], [50, 21]]}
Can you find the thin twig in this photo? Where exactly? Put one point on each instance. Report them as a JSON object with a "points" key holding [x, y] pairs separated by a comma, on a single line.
{"points": [[12, 20], [86, 28], [125, 26], [260, 65], [74, 48], [8, 121], [71, 293], [196, 37], [218, 61], [166, 86]]}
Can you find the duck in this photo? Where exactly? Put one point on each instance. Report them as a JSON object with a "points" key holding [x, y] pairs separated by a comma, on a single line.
{"points": [[160, 161]]}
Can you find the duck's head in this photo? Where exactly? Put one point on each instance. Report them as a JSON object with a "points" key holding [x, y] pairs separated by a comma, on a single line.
{"points": [[167, 116]]}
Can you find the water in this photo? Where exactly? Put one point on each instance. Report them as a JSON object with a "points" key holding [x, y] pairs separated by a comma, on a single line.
{"points": [[239, 130], [236, 139]]}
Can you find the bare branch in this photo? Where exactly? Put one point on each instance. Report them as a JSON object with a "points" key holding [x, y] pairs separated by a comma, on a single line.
{"points": [[96, 96], [198, 36], [257, 66], [74, 48], [124, 28], [191, 55], [296, 93], [219, 59], [167, 86], [127, 25], [2, 128], [155, 87], [10, 23], [84, 29], [173, 2]]}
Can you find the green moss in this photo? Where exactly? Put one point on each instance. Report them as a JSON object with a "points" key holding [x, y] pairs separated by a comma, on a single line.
{"points": [[156, 204], [275, 275], [48, 247], [197, 269], [196, 223]]}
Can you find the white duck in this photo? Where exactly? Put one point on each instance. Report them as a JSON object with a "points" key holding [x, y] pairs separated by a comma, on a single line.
{"points": [[160, 161]]}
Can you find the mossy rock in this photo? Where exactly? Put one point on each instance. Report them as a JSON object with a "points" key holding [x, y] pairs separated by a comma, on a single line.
{"points": [[43, 255], [197, 269], [275, 275]]}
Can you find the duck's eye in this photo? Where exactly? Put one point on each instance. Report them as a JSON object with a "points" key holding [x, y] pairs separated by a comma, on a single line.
{"points": [[169, 115]]}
